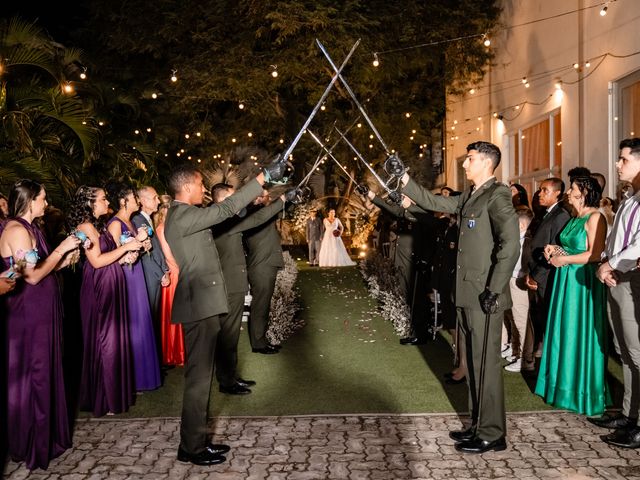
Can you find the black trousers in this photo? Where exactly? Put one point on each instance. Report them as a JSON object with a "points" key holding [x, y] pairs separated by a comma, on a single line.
{"points": [[200, 339], [263, 283], [227, 349]]}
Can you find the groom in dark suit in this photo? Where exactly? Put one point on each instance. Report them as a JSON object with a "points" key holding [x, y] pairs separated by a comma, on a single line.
{"points": [[541, 272], [201, 296]]}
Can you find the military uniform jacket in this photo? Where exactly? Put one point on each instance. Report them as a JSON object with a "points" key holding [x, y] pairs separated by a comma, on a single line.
{"points": [[200, 291], [264, 246], [228, 239], [488, 241]]}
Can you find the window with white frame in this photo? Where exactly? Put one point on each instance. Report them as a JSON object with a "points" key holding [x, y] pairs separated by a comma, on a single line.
{"points": [[626, 115], [535, 152]]}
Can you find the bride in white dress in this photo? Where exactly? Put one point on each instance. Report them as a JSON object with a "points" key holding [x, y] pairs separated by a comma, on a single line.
{"points": [[332, 251]]}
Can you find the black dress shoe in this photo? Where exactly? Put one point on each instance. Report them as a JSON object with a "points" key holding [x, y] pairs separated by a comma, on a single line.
{"points": [[453, 381], [412, 341], [268, 350], [218, 448], [477, 445], [205, 457], [624, 437], [613, 421], [463, 435], [245, 383], [235, 389]]}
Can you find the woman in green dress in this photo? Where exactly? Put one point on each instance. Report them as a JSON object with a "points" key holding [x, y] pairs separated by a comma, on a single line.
{"points": [[572, 368]]}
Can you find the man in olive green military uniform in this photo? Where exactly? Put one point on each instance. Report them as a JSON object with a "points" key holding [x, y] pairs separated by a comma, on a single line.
{"points": [[201, 296], [488, 248], [228, 238], [264, 259], [412, 250]]}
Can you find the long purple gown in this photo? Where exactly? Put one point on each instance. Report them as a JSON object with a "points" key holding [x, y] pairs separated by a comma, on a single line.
{"points": [[107, 383], [143, 342], [37, 421]]}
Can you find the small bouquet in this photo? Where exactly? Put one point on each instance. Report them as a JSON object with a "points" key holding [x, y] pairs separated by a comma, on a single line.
{"points": [[336, 232], [20, 261], [128, 258], [84, 240]]}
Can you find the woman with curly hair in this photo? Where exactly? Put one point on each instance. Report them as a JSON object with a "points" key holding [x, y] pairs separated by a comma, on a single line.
{"points": [[107, 383], [37, 422], [143, 342]]}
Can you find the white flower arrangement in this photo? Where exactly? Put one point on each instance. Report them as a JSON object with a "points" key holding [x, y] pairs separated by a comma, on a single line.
{"points": [[382, 279], [284, 304]]}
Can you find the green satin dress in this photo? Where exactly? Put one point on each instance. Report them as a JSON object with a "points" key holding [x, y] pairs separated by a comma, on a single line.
{"points": [[573, 363]]}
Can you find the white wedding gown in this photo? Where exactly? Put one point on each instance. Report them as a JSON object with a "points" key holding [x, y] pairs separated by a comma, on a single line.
{"points": [[332, 251]]}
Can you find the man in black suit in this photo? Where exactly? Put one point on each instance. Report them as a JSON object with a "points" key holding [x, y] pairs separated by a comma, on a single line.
{"points": [[153, 263], [540, 277]]}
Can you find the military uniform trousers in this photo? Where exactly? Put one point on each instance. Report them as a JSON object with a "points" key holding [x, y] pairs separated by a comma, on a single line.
{"points": [[200, 340], [263, 283], [492, 423], [227, 348]]}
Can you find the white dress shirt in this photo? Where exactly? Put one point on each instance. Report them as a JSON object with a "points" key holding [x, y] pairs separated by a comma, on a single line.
{"points": [[623, 257]]}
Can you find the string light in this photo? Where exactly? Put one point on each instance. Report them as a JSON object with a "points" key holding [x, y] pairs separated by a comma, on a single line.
{"points": [[282, 140], [241, 106], [359, 125], [603, 10], [407, 115], [249, 134], [186, 135], [576, 66], [68, 88], [149, 130], [233, 140], [322, 107], [174, 77], [154, 95], [472, 91], [83, 74], [198, 134], [376, 61], [137, 132], [587, 64], [274, 71]]}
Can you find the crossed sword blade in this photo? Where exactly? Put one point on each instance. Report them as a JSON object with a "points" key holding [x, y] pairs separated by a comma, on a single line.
{"points": [[393, 194], [353, 97], [313, 113], [330, 154]]}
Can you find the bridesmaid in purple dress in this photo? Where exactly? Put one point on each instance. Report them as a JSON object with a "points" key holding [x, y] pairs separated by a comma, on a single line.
{"points": [[143, 342], [37, 420], [107, 385]]}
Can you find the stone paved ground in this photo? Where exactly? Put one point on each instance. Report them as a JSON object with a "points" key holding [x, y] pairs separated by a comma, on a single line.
{"points": [[541, 445]]}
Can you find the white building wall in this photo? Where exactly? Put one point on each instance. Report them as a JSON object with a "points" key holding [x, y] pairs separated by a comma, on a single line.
{"points": [[544, 52]]}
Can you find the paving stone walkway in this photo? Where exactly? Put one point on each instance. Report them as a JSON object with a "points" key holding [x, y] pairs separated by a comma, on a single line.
{"points": [[541, 445]]}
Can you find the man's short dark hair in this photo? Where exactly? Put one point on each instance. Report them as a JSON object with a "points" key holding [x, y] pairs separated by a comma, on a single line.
{"points": [[557, 183], [633, 144], [181, 175], [487, 149], [218, 188]]}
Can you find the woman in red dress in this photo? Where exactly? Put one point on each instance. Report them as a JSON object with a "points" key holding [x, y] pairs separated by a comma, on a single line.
{"points": [[171, 334]]}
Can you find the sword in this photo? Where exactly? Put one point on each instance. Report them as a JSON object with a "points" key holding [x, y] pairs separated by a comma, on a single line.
{"points": [[330, 154], [394, 196], [362, 111], [322, 99]]}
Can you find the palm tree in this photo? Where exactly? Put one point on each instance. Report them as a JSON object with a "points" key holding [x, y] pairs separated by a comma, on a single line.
{"points": [[46, 132]]}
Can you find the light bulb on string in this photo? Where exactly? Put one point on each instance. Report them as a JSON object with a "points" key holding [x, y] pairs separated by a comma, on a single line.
{"points": [[137, 132], [174, 77], [241, 105], [233, 140], [322, 107], [186, 135], [68, 88], [487, 40], [83, 74], [198, 134], [407, 114], [603, 10], [282, 140], [249, 134], [376, 61], [472, 91], [154, 95], [148, 130], [527, 85], [587, 64], [274, 71], [359, 125]]}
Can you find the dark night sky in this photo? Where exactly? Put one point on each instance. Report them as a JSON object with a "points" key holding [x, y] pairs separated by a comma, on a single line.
{"points": [[56, 17]]}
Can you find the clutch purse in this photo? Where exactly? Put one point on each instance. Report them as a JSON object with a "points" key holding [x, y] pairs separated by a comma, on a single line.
{"points": [[558, 250]]}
